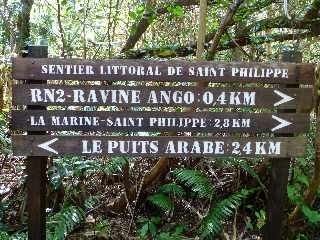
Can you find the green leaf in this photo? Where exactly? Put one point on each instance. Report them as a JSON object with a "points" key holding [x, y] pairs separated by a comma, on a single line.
{"points": [[312, 216], [144, 230], [153, 229], [198, 182], [162, 201], [303, 179], [212, 223], [176, 10], [64, 222], [293, 194], [156, 220], [174, 189], [114, 165], [251, 171]]}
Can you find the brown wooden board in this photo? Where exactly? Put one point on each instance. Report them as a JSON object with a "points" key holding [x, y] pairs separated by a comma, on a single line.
{"points": [[146, 70], [117, 121], [157, 146], [46, 95]]}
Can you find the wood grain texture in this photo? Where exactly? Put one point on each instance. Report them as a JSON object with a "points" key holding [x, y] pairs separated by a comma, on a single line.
{"points": [[157, 146], [36, 167], [158, 121], [32, 69], [178, 96]]}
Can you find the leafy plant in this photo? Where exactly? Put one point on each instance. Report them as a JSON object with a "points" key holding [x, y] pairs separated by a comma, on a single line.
{"points": [[173, 189], [64, 222], [212, 223], [312, 215], [198, 182], [162, 201], [261, 218], [103, 229], [301, 236], [176, 10], [16, 236], [5, 142], [174, 234], [149, 226]]}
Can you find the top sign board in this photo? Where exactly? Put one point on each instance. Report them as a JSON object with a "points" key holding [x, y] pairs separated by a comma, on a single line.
{"points": [[141, 70]]}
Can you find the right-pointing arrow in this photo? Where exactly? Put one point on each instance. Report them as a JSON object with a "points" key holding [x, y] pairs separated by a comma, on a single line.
{"points": [[284, 98], [46, 146], [282, 123]]}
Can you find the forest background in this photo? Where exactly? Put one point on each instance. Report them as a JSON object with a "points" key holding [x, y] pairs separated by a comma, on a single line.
{"points": [[159, 198]]}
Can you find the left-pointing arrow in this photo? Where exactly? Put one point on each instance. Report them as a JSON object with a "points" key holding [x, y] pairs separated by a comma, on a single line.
{"points": [[282, 123], [46, 145]]}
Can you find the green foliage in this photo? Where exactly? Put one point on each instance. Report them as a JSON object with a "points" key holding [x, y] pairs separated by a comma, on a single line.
{"points": [[75, 166], [162, 201], [243, 163], [173, 189], [175, 234], [16, 236], [176, 10], [196, 180], [301, 236], [103, 229], [261, 218], [137, 13], [114, 165], [149, 226], [312, 215], [64, 222], [5, 142], [212, 223]]}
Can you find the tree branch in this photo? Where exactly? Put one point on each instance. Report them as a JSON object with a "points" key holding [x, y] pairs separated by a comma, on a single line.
{"points": [[183, 51], [140, 27], [63, 41], [226, 22]]}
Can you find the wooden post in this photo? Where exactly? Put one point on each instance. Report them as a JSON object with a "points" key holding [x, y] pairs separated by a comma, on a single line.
{"points": [[36, 171], [277, 196]]}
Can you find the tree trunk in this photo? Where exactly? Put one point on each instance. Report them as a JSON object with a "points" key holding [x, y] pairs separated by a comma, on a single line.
{"points": [[23, 26]]}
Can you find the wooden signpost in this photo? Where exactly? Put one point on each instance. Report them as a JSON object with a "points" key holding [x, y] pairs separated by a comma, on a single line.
{"points": [[151, 108]]}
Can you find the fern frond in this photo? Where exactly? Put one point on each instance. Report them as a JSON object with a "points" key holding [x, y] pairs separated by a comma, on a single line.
{"points": [[90, 202], [245, 166], [64, 222], [174, 189], [212, 223], [198, 182], [114, 165], [162, 201]]}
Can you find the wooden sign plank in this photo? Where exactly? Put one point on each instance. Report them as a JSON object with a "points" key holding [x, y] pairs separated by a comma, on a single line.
{"points": [[117, 121], [157, 146], [162, 96], [176, 70]]}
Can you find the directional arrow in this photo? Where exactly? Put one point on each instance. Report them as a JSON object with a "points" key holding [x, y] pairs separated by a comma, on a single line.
{"points": [[284, 98], [282, 123], [46, 146]]}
